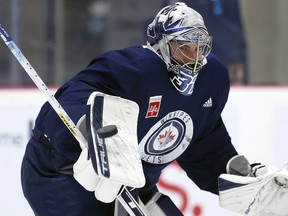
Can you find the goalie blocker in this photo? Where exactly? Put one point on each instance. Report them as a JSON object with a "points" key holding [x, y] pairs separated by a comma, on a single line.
{"points": [[110, 158]]}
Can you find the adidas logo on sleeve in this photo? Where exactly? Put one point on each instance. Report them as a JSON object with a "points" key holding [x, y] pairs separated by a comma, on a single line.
{"points": [[208, 103]]}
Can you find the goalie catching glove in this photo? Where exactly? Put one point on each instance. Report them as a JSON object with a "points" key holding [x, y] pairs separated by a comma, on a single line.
{"points": [[254, 190], [110, 158]]}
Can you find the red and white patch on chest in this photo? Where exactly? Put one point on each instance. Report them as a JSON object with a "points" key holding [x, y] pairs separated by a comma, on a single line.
{"points": [[154, 106]]}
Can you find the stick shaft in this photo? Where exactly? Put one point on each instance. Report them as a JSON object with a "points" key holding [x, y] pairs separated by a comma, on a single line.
{"points": [[42, 87]]}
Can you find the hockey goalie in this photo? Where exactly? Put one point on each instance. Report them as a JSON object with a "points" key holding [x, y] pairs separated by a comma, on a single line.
{"points": [[156, 104], [254, 190]]}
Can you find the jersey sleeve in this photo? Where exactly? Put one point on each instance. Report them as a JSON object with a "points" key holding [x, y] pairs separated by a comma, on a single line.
{"points": [[102, 74], [206, 159]]}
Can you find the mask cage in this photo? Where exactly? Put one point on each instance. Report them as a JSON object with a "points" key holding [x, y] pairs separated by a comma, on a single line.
{"points": [[195, 36]]}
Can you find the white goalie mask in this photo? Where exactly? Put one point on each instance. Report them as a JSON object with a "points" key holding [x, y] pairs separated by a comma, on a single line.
{"points": [[179, 37]]}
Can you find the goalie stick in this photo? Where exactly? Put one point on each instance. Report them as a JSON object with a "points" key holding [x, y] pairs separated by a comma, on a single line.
{"points": [[130, 205]]}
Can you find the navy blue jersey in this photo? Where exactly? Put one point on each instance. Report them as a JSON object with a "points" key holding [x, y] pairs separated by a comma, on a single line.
{"points": [[171, 126]]}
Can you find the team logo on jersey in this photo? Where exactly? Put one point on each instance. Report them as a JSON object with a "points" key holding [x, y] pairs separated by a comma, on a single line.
{"points": [[167, 139], [154, 106]]}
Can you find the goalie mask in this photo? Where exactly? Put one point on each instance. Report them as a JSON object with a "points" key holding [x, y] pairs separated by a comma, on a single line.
{"points": [[179, 37]]}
